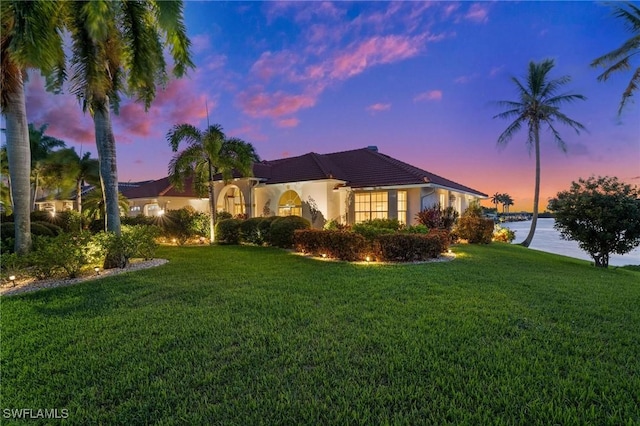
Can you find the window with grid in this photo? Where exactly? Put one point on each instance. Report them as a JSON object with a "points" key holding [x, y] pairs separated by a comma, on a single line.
{"points": [[371, 205], [290, 204], [402, 207]]}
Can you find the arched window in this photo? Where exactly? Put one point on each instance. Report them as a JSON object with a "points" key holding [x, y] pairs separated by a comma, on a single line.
{"points": [[231, 200], [290, 204]]}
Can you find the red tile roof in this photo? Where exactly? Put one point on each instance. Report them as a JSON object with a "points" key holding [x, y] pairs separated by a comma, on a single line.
{"points": [[358, 168]]}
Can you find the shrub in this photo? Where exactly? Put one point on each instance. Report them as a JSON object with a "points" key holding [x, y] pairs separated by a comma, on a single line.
{"points": [[66, 252], [144, 237], [264, 227], [334, 225], [436, 217], [223, 216], [407, 247], [416, 229], [55, 229], [228, 231], [334, 244], [44, 257], [443, 236], [475, 229], [503, 235], [282, 229], [11, 264], [38, 228], [119, 249], [69, 221], [370, 232], [184, 224], [250, 231]]}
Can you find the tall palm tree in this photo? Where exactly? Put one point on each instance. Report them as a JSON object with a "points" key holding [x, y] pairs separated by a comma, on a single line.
{"points": [[29, 38], [41, 146], [207, 154], [538, 105], [506, 201], [620, 59], [117, 47], [495, 200]]}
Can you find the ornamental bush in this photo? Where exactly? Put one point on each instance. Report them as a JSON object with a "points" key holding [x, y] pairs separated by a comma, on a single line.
{"points": [[473, 227], [184, 224], [264, 227], [341, 245], [407, 247], [228, 231], [282, 229], [503, 235], [371, 232], [251, 232]]}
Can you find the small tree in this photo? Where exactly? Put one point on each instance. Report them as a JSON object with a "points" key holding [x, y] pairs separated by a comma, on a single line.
{"points": [[602, 214]]}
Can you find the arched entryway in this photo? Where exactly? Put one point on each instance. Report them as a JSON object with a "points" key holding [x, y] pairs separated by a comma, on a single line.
{"points": [[231, 200]]}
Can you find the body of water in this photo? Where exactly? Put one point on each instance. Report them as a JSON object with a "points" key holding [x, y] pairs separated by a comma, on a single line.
{"points": [[548, 239]]}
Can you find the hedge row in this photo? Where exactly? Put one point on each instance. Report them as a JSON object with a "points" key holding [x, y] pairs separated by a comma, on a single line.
{"points": [[273, 230], [351, 246]]}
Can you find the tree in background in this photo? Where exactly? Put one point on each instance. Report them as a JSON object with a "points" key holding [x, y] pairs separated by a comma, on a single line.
{"points": [[620, 59], [42, 146], [496, 199], [207, 154], [602, 214], [506, 201], [538, 104], [30, 37]]}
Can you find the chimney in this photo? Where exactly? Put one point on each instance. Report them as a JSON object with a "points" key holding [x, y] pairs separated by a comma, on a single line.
{"points": [[373, 148]]}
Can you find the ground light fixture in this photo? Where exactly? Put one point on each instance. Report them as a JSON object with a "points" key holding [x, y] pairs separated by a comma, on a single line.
{"points": [[368, 259], [97, 269], [12, 278]]}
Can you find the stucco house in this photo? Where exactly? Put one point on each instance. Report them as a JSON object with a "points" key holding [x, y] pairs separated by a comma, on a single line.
{"points": [[348, 186]]}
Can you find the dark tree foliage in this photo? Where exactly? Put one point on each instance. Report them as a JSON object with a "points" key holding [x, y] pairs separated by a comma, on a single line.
{"points": [[602, 214]]}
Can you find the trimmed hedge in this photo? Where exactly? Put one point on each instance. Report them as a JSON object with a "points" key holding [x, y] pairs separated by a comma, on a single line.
{"points": [[250, 231], [341, 245], [228, 231], [408, 247], [282, 229]]}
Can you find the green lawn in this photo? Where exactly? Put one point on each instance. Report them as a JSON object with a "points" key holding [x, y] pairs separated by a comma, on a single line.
{"points": [[246, 335]]}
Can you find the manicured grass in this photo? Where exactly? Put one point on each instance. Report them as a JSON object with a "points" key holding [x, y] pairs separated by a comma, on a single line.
{"points": [[246, 335]]}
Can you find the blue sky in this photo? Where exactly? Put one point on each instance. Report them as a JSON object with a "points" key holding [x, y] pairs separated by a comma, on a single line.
{"points": [[417, 79]]}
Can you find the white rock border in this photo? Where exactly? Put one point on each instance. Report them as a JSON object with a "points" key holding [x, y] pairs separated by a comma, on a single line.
{"points": [[31, 284]]}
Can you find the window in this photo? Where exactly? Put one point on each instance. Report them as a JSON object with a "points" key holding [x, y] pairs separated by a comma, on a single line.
{"points": [[371, 205], [290, 204], [402, 207], [232, 201]]}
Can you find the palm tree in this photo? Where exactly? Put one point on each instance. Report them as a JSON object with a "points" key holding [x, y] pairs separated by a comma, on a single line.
{"points": [[619, 59], [506, 201], [59, 171], [207, 154], [88, 172], [94, 205], [538, 104], [29, 38], [41, 147], [495, 200], [117, 47]]}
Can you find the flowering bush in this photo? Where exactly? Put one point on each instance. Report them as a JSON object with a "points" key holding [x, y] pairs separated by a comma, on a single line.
{"points": [[503, 235]]}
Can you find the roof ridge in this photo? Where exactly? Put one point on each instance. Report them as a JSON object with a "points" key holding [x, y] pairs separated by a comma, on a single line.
{"points": [[416, 171], [321, 160]]}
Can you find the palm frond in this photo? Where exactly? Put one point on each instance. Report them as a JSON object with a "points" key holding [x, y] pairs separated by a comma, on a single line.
{"points": [[170, 19], [508, 133], [631, 88], [183, 132]]}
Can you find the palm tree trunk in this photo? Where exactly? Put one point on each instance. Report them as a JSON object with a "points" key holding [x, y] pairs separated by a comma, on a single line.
{"points": [[79, 195], [536, 194], [106, 145], [19, 160], [212, 207], [35, 190]]}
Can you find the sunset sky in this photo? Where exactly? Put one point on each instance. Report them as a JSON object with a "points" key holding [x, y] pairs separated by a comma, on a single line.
{"points": [[419, 80]]}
